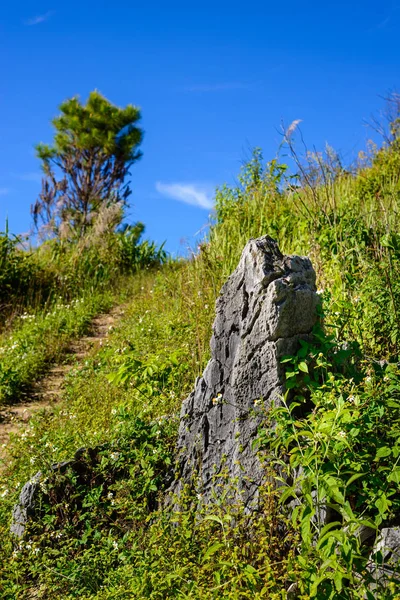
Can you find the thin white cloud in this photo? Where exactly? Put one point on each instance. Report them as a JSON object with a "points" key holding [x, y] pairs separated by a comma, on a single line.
{"points": [[4, 191], [189, 193], [39, 18], [383, 23], [217, 87]]}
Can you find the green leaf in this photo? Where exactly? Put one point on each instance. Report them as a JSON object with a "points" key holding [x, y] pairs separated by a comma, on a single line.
{"points": [[393, 403], [354, 477], [382, 504], [326, 532], [305, 528], [214, 518], [394, 475], [338, 580], [212, 549], [289, 493], [291, 374], [383, 452], [286, 359], [303, 367]]}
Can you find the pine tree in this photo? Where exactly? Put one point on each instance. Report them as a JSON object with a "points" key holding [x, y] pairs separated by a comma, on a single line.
{"points": [[85, 169]]}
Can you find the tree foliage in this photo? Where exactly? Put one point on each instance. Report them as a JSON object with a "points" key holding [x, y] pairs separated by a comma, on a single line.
{"points": [[85, 168]]}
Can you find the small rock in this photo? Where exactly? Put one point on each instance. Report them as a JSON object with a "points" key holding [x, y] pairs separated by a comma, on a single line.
{"points": [[25, 509]]}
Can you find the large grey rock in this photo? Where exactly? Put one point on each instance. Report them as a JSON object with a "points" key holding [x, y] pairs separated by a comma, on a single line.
{"points": [[268, 303]]}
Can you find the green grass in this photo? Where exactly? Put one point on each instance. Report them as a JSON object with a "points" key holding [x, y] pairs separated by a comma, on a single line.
{"points": [[108, 534], [41, 338]]}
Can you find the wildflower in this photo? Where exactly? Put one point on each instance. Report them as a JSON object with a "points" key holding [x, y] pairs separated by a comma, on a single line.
{"points": [[110, 496], [115, 545], [320, 292], [114, 411], [217, 399], [114, 455], [342, 434], [4, 493], [32, 460]]}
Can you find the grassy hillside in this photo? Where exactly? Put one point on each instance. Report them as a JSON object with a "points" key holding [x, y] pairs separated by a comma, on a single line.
{"points": [[49, 295], [103, 531]]}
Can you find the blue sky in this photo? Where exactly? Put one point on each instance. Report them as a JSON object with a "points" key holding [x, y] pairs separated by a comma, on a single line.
{"points": [[213, 80]]}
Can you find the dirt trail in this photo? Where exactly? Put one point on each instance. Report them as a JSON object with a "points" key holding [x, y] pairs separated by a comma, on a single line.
{"points": [[48, 391]]}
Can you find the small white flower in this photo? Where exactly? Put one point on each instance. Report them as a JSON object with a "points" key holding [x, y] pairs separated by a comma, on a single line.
{"points": [[115, 545], [110, 495], [342, 434], [218, 399]]}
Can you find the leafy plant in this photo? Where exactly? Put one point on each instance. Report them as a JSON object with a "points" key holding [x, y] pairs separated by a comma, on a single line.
{"points": [[337, 462]]}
